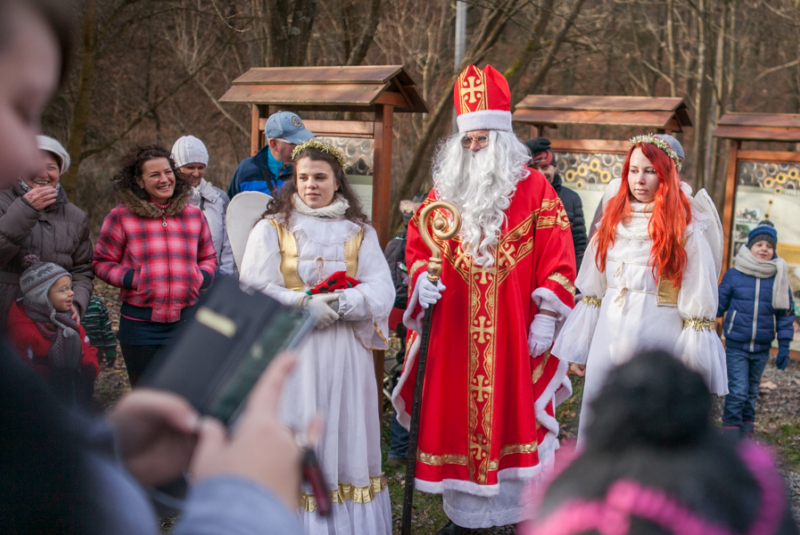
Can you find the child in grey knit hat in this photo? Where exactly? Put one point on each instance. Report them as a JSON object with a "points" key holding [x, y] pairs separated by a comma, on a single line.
{"points": [[41, 328]]}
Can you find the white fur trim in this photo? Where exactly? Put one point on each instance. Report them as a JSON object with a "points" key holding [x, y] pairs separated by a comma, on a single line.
{"points": [[403, 412], [487, 491], [485, 120]]}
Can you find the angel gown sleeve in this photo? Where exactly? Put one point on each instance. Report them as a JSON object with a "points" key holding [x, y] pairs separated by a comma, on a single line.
{"points": [[575, 338], [698, 345], [368, 305], [261, 265]]}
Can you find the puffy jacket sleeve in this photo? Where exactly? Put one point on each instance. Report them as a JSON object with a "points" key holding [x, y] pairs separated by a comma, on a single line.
{"points": [[368, 305], [89, 353], [725, 293], [578, 232], [110, 248], [261, 265], [575, 339], [206, 254], [698, 345], [227, 265], [784, 322], [16, 225], [82, 273]]}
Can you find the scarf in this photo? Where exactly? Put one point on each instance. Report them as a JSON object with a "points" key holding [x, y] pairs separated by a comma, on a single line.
{"points": [[750, 265], [335, 209], [62, 332]]}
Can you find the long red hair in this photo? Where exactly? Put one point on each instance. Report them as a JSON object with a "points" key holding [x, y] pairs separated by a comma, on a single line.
{"points": [[671, 215]]}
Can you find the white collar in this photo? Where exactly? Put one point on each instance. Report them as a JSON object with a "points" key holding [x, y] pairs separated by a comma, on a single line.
{"points": [[335, 209]]}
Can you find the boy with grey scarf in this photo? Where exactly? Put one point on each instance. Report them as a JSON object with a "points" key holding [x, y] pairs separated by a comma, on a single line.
{"points": [[758, 301]]}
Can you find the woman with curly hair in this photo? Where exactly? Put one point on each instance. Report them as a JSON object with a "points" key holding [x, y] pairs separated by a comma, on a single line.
{"points": [[652, 284], [157, 249], [314, 249]]}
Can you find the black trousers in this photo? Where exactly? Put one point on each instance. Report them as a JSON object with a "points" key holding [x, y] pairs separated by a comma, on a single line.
{"points": [[137, 358]]}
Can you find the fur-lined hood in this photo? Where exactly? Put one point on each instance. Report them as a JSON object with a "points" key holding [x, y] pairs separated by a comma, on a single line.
{"points": [[148, 209], [409, 207]]}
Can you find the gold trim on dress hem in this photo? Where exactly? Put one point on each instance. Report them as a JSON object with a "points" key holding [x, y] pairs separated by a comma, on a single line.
{"points": [[461, 460], [698, 324], [348, 493]]}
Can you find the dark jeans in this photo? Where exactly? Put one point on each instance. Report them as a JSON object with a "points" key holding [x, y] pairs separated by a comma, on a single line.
{"points": [[398, 439], [137, 358], [744, 376]]}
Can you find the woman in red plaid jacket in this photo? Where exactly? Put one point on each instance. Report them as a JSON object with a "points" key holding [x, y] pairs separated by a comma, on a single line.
{"points": [[157, 249]]}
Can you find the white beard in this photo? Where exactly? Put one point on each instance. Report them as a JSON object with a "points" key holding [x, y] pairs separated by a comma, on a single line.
{"points": [[481, 185]]}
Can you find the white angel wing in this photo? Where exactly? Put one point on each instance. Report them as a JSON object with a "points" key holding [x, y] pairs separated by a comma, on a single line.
{"points": [[244, 211], [703, 204]]}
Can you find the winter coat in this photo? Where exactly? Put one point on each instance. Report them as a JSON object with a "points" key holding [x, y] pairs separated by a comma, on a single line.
{"points": [[213, 202], [161, 260], [58, 234], [253, 174], [751, 323], [25, 337], [572, 204]]}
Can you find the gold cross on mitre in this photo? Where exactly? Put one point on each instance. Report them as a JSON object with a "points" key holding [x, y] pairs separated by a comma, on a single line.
{"points": [[472, 89]]}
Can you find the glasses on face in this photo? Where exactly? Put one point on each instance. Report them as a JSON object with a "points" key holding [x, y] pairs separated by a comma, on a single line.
{"points": [[482, 141], [64, 289]]}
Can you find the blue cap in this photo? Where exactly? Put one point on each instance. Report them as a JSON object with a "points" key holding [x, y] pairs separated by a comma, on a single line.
{"points": [[673, 143], [287, 125], [764, 231]]}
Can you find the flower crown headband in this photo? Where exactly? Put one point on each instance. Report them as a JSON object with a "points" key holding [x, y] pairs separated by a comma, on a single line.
{"points": [[319, 145], [661, 144]]}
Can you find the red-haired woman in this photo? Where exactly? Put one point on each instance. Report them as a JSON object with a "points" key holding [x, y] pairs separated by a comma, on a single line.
{"points": [[653, 281]]}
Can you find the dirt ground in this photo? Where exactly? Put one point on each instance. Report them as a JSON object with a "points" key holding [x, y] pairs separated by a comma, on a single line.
{"points": [[777, 424]]}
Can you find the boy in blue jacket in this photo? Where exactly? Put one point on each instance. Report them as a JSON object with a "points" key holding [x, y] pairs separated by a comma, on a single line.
{"points": [[757, 297]]}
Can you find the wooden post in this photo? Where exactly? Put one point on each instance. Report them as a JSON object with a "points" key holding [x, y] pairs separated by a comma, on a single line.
{"points": [[258, 111], [730, 200], [382, 172], [381, 205]]}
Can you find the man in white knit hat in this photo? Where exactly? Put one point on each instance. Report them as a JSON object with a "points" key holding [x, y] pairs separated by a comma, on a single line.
{"points": [[191, 157]]}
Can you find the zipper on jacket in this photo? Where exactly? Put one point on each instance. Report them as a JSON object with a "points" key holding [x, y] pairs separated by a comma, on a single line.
{"points": [[730, 325], [755, 316]]}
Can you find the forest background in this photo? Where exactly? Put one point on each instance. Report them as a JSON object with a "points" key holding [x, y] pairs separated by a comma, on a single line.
{"points": [[149, 71]]}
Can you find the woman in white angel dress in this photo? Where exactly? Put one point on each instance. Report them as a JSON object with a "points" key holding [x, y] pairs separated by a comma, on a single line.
{"points": [[312, 230], [649, 280]]}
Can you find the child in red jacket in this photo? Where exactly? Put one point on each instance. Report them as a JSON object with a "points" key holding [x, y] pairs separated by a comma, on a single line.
{"points": [[41, 328]]}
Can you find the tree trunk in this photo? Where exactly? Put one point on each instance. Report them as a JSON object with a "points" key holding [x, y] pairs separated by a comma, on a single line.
{"points": [[520, 64], [704, 93], [83, 103], [359, 52]]}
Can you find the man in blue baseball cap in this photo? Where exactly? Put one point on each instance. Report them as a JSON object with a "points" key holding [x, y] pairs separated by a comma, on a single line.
{"points": [[271, 166]]}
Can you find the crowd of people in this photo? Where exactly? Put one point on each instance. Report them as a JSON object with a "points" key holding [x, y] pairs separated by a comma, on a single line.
{"points": [[526, 297]]}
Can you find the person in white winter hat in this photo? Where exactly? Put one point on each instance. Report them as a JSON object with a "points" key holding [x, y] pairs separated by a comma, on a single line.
{"points": [[191, 157]]}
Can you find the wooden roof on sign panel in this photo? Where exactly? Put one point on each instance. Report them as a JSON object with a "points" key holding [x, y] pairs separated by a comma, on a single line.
{"points": [[328, 88], [651, 112], [759, 126]]}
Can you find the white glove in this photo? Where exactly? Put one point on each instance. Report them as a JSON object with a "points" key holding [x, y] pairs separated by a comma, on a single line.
{"points": [[429, 293], [323, 308], [543, 329]]}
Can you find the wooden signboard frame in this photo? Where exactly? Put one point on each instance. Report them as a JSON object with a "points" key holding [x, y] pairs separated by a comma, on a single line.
{"points": [[380, 90], [656, 115], [739, 127]]}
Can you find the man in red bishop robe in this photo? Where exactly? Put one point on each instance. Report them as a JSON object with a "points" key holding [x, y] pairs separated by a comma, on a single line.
{"points": [[487, 424]]}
